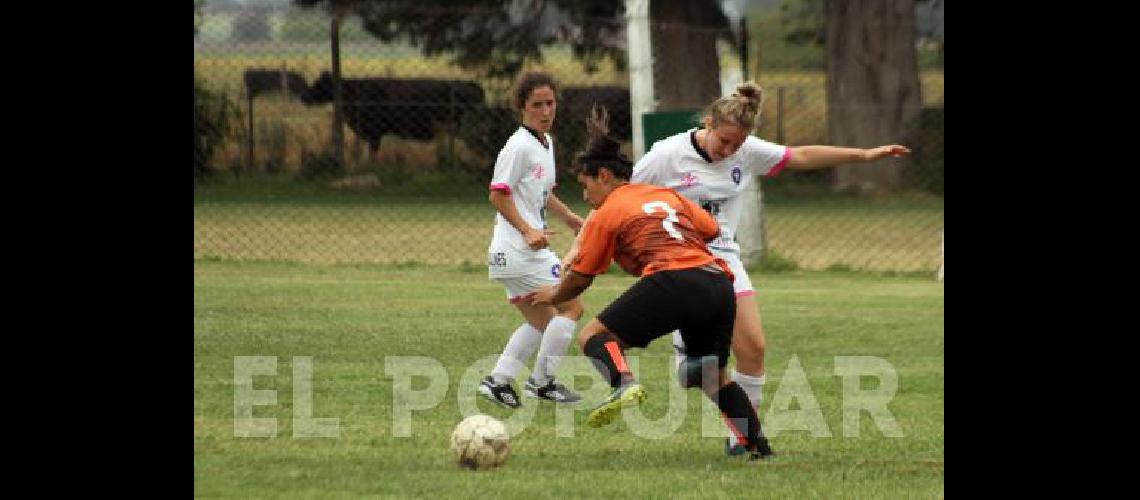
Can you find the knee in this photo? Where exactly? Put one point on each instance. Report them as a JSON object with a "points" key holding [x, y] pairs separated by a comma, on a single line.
{"points": [[584, 336]]}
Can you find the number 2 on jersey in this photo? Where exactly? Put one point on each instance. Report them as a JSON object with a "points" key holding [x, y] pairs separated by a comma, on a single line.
{"points": [[668, 221]]}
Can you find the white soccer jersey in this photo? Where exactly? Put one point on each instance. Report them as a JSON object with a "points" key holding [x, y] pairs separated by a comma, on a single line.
{"points": [[525, 170], [676, 162]]}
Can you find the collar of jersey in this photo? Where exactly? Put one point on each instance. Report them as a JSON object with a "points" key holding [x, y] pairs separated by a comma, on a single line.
{"points": [[700, 151], [537, 136]]}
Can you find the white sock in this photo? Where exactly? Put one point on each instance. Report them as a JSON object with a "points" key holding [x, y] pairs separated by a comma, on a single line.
{"points": [[678, 354], [523, 344], [753, 386], [555, 340]]}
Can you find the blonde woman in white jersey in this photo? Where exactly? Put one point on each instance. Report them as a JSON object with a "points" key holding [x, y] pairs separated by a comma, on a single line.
{"points": [[519, 256], [712, 166]]}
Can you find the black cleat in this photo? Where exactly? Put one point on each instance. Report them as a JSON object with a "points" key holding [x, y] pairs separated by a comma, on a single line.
{"points": [[552, 391], [762, 450], [503, 394]]}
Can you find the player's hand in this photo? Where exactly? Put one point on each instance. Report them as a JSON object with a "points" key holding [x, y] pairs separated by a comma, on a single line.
{"points": [[542, 296], [575, 224], [536, 239], [568, 259], [893, 150]]}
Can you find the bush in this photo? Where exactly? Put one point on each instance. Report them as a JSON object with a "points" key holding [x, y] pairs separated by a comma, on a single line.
{"points": [[212, 112], [316, 166], [773, 262]]}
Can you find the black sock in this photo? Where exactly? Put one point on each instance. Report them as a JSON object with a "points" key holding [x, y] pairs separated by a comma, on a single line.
{"points": [[740, 415], [604, 350]]}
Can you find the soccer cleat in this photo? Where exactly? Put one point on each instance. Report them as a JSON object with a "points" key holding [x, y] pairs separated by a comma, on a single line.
{"points": [[733, 448], [631, 394], [503, 394], [762, 450], [552, 391]]}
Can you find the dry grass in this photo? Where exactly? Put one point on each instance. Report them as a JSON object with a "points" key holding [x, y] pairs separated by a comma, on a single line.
{"points": [[304, 128], [899, 235]]}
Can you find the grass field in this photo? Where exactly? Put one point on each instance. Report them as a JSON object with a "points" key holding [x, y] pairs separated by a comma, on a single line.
{"points": [[350, 318], [289, 221]]}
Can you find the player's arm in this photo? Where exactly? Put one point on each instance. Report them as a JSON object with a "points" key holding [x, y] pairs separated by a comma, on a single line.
{"points": [[572, 285], [813, 157], [502, 201], [596, 252], [572, 253], [572, 220]]}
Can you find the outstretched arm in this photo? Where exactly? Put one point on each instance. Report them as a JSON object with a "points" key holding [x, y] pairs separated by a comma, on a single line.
{"points": [[813, 157]]}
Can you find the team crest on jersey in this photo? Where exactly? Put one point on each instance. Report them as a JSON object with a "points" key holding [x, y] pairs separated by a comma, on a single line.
{"points": [[538, 171], [736, 174], [555, 269], [689, 180]]}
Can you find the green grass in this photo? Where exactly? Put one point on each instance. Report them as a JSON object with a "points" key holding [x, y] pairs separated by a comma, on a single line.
{"points": [[450, 223], [349, 318]]}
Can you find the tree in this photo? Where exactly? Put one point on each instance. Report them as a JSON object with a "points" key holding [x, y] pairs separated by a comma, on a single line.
{"points": [[873, 89], [686, 64], [497, 37]]}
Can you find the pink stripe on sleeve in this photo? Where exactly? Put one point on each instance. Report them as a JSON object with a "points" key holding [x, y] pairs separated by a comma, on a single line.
{"points": [[506, 188], [783, 162]]}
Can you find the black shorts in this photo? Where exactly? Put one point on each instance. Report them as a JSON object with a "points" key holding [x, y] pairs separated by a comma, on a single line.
{"points": [[699, 302]]}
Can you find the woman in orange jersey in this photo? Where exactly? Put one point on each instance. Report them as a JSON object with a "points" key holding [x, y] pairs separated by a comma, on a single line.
{"points": [[657, 234]]}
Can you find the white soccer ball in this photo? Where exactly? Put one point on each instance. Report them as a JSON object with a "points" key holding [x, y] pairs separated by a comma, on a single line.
{"points": [[480, 442]]}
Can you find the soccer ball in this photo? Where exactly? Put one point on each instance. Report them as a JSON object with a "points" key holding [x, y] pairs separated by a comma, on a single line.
{"points": [[480, 442]]}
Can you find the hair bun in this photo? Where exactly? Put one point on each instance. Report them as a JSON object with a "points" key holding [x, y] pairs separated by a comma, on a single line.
{"points": [[749, 91]]}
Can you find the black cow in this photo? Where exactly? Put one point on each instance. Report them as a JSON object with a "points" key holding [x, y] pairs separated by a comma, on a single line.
{"points": [[409, 108], [259, 81], [575, 102]]}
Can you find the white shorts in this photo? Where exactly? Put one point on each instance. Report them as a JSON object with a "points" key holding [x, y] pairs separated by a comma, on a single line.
{"points": [[519, 286], [521, 273], [741, 284]]}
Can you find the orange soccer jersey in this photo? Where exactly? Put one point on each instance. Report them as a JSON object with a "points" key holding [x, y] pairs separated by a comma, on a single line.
{"points": [[647, 229]]}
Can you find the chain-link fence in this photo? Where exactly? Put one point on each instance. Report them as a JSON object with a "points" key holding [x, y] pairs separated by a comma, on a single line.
{"points": [[421, 135]]}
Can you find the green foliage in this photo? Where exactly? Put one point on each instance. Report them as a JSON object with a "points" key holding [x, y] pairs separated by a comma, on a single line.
{"points": [[790, 37], [773, 262], [794, 36], [319, 166], [212, 114], [495, 37]]}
